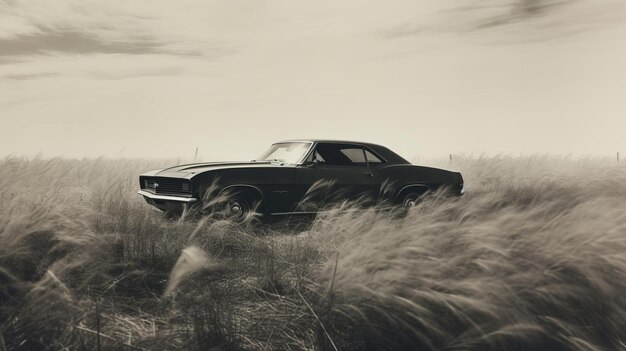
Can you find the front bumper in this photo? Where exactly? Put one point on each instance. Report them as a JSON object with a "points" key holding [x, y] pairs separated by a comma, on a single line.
{"points": [[152, 196]]}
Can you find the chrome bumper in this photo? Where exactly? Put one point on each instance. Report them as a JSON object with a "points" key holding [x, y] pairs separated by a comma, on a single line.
{"points": [[166, 197]]}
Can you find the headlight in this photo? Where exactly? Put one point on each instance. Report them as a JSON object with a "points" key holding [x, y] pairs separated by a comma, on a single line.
{"points": [[185, 186]]}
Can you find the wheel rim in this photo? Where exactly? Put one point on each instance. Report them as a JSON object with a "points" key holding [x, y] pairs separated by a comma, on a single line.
{"points": [[410, 200], [236, 210]]}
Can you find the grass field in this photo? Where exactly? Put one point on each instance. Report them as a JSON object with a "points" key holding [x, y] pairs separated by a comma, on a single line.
{"points": [[532, 258]]}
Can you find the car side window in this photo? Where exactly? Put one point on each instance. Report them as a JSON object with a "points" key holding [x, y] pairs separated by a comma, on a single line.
{"points": [[373, 159], [340, 155], [356, 156]]}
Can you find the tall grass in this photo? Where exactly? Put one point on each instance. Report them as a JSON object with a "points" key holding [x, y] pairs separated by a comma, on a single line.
{"points": [[533, 257]]}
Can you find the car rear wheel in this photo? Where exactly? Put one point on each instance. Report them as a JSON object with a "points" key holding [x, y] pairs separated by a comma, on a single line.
{"points": [[410, 200]]}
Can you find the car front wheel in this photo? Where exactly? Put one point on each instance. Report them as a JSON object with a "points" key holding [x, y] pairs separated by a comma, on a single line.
{"points": [[237, 209]]}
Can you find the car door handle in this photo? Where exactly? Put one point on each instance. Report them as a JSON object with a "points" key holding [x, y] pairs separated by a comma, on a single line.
{"points": [[368, 174]]}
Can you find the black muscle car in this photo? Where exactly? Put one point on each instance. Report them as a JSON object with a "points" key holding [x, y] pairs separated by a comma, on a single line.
{"points": [[297, 177]]}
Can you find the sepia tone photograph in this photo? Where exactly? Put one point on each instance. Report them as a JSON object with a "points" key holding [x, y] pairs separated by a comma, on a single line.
{"points": [[429, 175]]}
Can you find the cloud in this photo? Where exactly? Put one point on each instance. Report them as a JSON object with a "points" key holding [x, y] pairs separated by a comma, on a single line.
{"points": [[403, 30], [74, 42], [519, 10], [28, 76], [91, 27], [525, 20], [99, 40]]}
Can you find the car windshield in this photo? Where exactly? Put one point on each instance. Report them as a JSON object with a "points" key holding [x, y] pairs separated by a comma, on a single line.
{"points": [[285, 152]]}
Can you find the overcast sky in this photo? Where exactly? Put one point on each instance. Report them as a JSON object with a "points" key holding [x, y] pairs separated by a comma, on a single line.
{"points": [[426, 78]]}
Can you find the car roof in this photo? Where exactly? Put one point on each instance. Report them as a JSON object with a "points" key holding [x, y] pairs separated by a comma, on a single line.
{"points": [[388, 155]]}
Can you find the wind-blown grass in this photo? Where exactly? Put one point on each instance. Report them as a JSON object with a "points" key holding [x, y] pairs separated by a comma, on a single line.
{"points": [[533, 257]]}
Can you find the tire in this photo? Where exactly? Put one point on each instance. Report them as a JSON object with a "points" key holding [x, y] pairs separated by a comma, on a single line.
{"points": [[237, 208], [411, 199], [242, 206]]}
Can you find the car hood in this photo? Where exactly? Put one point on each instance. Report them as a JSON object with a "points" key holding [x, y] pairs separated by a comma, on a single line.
{"points": [[189, 170]]}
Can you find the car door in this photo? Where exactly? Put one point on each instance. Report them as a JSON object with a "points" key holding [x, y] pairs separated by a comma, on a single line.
{"points": [[334, 173]]}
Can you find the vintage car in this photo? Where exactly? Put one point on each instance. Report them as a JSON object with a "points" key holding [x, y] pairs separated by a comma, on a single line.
{"points": [[297, 177]]}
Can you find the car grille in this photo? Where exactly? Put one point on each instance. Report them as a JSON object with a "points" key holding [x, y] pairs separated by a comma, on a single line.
{"points": [[166, 186]]}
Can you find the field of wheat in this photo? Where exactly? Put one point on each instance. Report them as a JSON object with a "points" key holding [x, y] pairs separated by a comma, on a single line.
{"points": [[533, 257]]}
